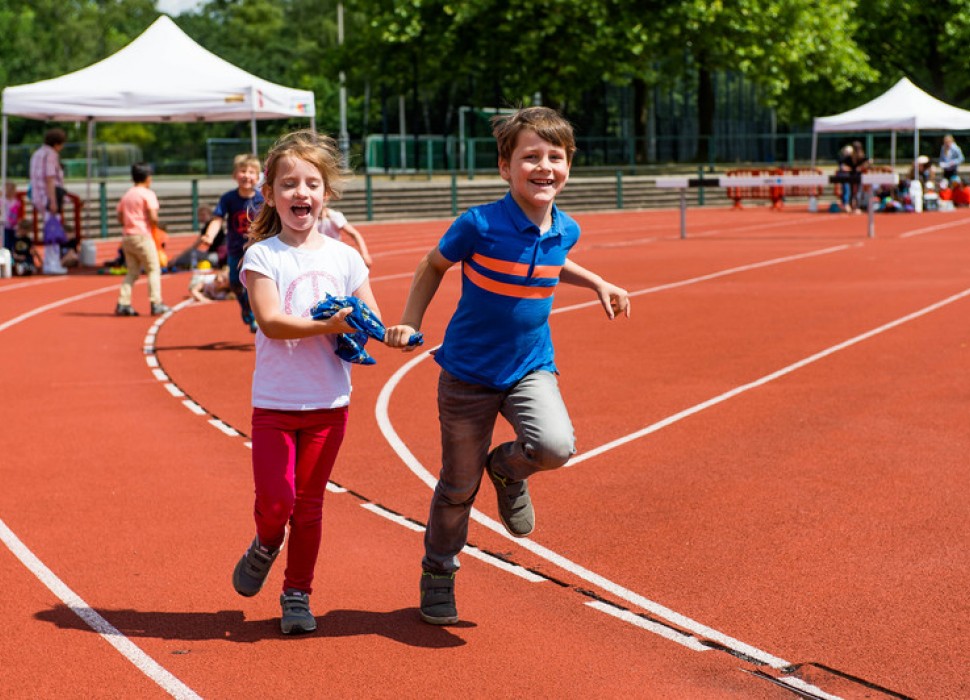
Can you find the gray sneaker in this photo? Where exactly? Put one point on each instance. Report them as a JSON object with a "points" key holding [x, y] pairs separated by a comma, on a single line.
{"points": [[438, 599], [252, 569], [514, 504], [297, 618]]}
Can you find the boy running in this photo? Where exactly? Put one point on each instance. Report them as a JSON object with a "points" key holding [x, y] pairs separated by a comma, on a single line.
{"points": [[497, 354]]}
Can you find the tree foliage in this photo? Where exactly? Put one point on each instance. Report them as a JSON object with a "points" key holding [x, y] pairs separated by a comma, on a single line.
{"points": [[806, 57]]}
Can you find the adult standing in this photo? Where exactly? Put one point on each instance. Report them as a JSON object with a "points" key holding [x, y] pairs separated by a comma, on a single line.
{"points": [[47, 191], [950, 157]]}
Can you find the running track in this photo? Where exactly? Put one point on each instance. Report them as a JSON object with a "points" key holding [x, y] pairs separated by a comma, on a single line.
{"points": [[769, 499]]}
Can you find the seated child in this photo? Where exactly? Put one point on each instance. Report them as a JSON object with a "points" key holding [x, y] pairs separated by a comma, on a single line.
{"points": [[209, 286], [26, 260]]}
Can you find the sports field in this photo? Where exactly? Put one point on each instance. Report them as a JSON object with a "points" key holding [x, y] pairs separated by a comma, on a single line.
{"points": [[769, 499]]}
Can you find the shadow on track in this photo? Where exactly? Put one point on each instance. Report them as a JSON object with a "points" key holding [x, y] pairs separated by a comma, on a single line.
{"points": [[402, 626]]}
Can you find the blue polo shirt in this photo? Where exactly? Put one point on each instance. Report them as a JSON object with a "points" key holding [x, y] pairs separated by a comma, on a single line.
{"points": [[500, 331]]}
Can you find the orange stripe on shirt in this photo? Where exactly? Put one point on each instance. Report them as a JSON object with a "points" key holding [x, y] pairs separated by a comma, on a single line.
{"points": [[504, 288], [520, 269]]}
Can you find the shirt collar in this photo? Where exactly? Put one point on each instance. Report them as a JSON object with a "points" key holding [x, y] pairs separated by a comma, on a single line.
{"points": [[522, 222]]}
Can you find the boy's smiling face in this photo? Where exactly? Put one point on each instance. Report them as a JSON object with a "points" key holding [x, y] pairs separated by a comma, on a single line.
{"points": [[536, 172], [246, 178]]}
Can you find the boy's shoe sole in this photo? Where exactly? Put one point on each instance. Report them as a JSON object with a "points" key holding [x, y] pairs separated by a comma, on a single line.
{"points": [[438, 599], [514, 504], [250, 573], [297, 618], [125, 311]]}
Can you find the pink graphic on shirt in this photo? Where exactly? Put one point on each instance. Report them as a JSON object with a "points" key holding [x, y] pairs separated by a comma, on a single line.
{"points": [[306, 290]]}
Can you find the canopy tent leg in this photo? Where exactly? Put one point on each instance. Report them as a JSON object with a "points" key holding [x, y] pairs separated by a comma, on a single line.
{"points": [[892, 158], [89, 173], [3, 159]]}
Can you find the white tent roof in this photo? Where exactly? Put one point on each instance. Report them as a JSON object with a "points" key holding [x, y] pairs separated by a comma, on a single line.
{"points": [[163, 75], [904, 107]]}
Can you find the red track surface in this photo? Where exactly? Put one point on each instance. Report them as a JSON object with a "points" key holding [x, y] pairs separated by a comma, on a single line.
{"points": [[786, 502]]}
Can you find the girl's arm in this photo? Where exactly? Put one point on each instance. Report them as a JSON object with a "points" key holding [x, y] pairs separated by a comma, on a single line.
{"points": [[275, 324], [614, 299], [366, 295], [425, 283], [358, 240]]}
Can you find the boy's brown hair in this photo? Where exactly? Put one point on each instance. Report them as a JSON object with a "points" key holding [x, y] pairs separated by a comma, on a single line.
{"points": [[245, 160], [547, 123]]}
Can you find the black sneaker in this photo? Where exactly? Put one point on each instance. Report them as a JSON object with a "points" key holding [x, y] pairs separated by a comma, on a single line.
{"points": [[514, 504], [438, 599], [252, 569], [125, 310], [297, 618], [159, 309]]}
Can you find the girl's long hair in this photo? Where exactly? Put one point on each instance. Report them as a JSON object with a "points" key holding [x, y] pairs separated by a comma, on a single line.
{"points": [[317, 149]]}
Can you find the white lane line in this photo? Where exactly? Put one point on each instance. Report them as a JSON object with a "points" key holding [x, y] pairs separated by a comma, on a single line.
{"points": [[664, 631], [32, 283], [227, 429], [670, 420], [519, 571], [142, 661], [931, 229], [675, 618], [720, 273], [393, 517], [53, 305]]}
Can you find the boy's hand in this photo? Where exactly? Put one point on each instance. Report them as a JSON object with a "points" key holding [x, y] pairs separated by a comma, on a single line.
{"points": [[398, 336], [615, 301]]}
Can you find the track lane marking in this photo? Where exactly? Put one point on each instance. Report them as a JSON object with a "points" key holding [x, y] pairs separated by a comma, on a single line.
{"points": [[737, 391], [108, 632], [678, 619]]}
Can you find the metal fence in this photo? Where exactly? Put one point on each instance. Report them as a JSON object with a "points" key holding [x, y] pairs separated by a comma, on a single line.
{"points": [[394, 153]]}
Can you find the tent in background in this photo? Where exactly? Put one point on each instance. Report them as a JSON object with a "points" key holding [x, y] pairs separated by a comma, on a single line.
{"points": [[161, 76], [904, 107]]}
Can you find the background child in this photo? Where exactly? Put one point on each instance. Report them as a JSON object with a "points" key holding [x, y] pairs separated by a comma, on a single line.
{"points": [[497, 355], [26, 260], [301, 389], [138, 216], [201, 249], [12, 212], [333, 223], [210, 286], [236, 209]]}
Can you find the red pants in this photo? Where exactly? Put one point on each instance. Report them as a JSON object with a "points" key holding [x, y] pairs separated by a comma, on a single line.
{"points": [[293, 455]]}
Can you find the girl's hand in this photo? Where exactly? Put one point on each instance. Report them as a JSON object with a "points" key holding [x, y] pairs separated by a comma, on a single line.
{"points": [[337, 324], [398, 336]]}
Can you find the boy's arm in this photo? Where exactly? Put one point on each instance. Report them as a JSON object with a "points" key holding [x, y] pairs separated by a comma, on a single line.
{"points": [[424, 285], [211, 230], [614, 299]]}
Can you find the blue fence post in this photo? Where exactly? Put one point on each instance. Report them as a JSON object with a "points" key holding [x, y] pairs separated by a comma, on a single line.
{"points": [[619, 189], [103, 196], [700, 186]]}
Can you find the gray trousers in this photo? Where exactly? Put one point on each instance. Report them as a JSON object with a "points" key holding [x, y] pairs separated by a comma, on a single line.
{"points": [[467, 412]]}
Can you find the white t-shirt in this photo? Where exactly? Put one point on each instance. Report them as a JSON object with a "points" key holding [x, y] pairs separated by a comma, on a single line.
{"points": [[302, 374], [331, 223]]}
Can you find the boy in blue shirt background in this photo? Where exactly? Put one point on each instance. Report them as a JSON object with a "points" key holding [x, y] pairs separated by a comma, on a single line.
{"points": [[497, 354], [237, 208]]}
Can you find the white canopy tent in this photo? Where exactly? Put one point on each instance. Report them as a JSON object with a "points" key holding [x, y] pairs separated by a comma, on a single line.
{"points": [[161, 76], [904, 107]]}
